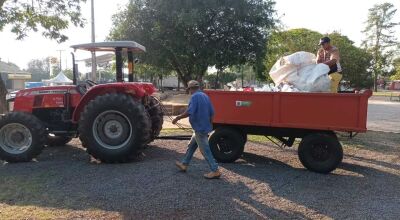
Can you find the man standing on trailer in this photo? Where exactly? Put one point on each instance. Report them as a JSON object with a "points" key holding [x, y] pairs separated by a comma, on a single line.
{"points": [[200, 113], [329, 55]]}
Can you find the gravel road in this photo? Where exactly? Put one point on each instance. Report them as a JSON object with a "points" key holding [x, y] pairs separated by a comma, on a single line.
{"points": [[268, 182]]}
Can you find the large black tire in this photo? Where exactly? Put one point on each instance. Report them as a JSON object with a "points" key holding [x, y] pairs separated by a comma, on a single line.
{"points": [[56, 140], [156, 116], [320, 152], [114, 128], [22, 137], [227, 145]]}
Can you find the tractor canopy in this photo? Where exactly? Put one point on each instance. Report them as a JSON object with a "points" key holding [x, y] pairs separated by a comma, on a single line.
{"points": [[119, 48], [126, 46]]}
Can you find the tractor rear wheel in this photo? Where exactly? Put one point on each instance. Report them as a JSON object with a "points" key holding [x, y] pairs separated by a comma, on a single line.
{"points": [[156, 116], [22, 137], [114, 128], [56, 140]]}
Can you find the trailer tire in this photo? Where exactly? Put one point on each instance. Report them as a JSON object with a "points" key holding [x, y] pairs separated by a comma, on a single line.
{"points": [[57, 140], [18, 128], [114, 128], [227, 145], [156, 116], [320, 152]]}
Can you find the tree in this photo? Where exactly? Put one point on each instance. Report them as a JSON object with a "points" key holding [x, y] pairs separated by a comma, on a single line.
{"points": [[39, 68], [190, 36], [49, 16], [223, 78], [380, 39], [396, 69], [354, 60]]}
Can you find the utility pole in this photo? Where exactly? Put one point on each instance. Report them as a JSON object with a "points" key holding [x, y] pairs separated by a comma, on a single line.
{"points": [[60, 58], [94, 66]]}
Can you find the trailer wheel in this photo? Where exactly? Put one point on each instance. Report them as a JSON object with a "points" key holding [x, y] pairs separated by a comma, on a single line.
{"points": [[114, 128], [56, 140], [156, 116], [227, 145], [22, 137], [320, 152]]}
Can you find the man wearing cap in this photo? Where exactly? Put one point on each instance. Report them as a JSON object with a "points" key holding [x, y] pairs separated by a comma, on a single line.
{"points": [[200, 112], [329, 55]]}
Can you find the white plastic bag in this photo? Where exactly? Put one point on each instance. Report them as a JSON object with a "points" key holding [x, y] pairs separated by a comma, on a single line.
{"points": [[298, 72]]}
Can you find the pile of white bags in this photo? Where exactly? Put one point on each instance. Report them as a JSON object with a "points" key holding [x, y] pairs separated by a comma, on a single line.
{"points": [[298, 72]]}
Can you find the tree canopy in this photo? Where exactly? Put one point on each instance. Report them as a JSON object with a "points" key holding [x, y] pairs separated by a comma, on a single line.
{"points": [[39, 68], [354, 60], [396, 69], [189, 36], [48, 16], [380, 39]]}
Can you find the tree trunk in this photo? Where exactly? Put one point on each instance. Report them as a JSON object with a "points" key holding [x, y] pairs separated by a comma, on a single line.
{"points": [[3, 93]]}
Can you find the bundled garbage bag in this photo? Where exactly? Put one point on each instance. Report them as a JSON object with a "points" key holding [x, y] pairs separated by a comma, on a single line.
{"points": [[300, 73]]}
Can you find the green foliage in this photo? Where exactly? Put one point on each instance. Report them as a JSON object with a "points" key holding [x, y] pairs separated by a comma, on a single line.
{"points": [[69, 73], [282, 43], [223, 78], [51, 16], [39, 68], [150, 73], [380, 38], [355, 61], [396, 69], [188, 36]]}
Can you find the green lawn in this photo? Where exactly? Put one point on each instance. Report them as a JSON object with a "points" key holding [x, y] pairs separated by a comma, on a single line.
{"points": [[387, 93]]}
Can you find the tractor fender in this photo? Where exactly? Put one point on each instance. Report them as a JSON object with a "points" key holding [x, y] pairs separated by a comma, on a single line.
{"points": [[136, 91]]}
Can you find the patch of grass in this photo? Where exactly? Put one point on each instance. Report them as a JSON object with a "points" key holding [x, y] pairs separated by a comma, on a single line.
{"points": [[258, 139], [386, 93]]}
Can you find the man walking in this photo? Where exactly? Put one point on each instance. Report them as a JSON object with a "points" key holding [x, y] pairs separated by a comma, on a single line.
{"points": [[200, 112], [329, 55]]}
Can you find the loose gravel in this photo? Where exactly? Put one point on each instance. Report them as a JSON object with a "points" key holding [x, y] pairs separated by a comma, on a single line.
{"points": [[268, 182]]}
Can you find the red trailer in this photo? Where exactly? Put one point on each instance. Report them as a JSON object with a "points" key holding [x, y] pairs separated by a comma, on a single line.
{"points": [[312, 117]]}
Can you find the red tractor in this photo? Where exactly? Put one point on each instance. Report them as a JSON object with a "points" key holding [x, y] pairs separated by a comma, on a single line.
{"points": [[113, 121]]}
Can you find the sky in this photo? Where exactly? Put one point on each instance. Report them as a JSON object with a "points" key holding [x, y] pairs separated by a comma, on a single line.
{"points": [[345, 16]]}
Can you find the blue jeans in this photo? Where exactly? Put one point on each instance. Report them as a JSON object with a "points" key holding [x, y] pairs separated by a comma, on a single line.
{"points": [[200, 139]]}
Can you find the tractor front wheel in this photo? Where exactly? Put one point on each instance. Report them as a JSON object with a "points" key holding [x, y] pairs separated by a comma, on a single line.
{"points": [[22, 137], [114, 127]]}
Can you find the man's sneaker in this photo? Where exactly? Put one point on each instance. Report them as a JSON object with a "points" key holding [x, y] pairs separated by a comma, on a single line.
{"points": [[213, 175], [182, 167]]}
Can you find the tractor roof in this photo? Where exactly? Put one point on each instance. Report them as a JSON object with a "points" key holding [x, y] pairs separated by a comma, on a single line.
{"points": [[111, 46]]}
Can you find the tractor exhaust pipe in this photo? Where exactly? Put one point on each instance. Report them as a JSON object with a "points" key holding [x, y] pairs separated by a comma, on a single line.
{"points": [[74, 70]]}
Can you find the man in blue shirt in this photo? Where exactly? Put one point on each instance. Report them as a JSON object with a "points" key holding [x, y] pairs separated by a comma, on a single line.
{"points": [[200, 113]]}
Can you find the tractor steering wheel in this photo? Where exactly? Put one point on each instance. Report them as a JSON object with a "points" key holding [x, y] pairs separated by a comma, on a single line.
{"points": [[90, 83]]}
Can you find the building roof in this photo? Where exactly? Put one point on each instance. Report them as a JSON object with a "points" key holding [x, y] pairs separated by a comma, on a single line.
{"points": [[111, 46], [10, 68]]}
